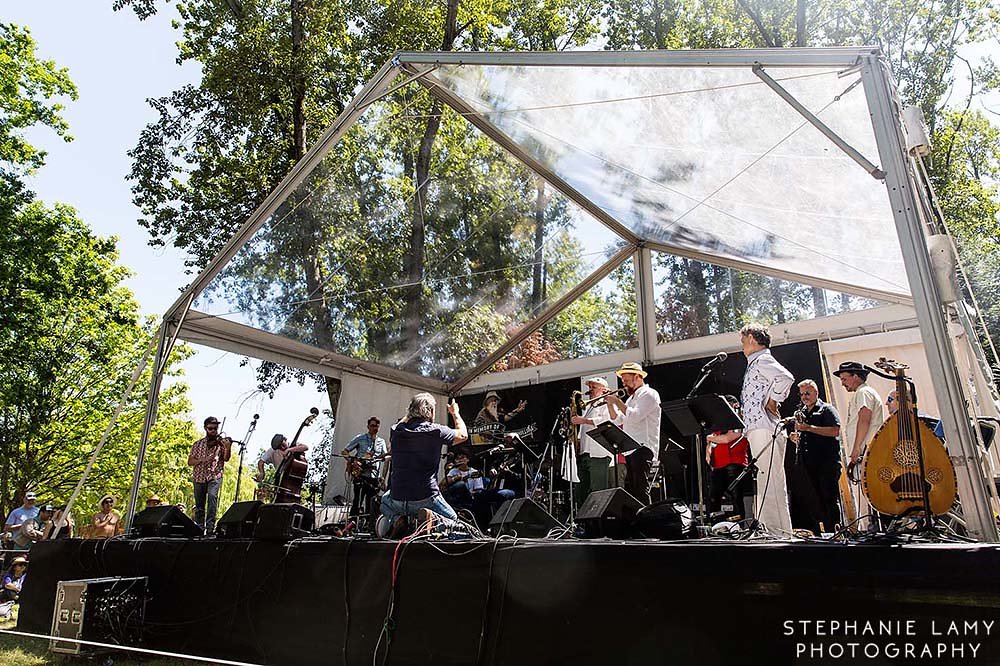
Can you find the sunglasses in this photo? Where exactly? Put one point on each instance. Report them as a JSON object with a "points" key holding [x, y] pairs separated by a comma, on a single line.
{"points": [[890, 399]]}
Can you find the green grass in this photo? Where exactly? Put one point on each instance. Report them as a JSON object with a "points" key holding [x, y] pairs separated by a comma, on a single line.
{"points": [[18, 651]]}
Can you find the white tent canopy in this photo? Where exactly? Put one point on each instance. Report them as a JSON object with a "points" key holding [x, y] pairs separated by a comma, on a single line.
{"points": [[561, 177]]}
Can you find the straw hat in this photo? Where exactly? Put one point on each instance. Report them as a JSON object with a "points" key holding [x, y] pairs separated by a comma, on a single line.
{"points": [[631, 368]]}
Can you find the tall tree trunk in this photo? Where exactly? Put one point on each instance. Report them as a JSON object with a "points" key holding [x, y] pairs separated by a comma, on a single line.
{"points": [[720, 280], [800, 22], [819, 302], [312, 266], [779, 306], [699, 293], [414, 264], [536, 269]]}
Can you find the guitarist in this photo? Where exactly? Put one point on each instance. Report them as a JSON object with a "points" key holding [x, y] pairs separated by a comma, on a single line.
{"points": [[465, 485], [365, 446]]}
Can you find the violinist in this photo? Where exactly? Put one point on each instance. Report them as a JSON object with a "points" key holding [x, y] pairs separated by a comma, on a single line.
{"points": [[207, 459]]}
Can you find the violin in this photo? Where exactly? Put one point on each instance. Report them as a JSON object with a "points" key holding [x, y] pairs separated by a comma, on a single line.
{"points": [[292, 472]]}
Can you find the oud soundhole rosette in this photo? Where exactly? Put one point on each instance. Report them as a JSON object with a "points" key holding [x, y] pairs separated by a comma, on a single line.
{"points": [[905, 455], [885, 474], [935, 475]]}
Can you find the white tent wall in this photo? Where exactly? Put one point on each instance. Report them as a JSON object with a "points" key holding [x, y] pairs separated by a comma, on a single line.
{"points": [[360, 398]]}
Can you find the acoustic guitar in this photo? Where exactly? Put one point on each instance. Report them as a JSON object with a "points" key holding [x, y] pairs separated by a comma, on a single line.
{"points": [[893, 478]]}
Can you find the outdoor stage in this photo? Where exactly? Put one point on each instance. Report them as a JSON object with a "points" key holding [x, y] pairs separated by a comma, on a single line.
{"points": [[324, 600]]}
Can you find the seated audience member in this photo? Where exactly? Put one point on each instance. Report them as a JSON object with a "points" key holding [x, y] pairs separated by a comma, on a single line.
{"points": [[107, 522], [32, 529], [154, 500], [13, 579]]}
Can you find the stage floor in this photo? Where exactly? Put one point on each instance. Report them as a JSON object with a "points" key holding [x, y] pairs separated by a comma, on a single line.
{"points": [[324, 600]]}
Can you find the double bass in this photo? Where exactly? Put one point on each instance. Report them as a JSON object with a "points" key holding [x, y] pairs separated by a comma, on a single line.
{"points": [[292, 472], [907, 467]]}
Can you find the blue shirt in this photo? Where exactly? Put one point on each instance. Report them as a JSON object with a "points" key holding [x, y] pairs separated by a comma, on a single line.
{"points": [[19, 515], [364, 445], [416, 456]]}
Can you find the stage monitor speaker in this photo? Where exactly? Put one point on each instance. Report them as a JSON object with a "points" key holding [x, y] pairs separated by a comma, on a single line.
{"points": [[283, 522], [669, 519], [608, 513], [523, 517], [239, 520], [164, 521]]}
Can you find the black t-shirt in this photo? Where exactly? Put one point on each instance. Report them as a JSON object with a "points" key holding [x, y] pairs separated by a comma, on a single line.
{"points": [[819, 448], [416, 456]]}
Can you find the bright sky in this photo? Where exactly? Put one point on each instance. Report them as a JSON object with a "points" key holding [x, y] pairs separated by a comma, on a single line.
{"points": [[117, 62]]}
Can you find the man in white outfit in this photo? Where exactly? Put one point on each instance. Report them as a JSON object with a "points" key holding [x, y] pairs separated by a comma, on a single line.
{"points": [[765, 385]]}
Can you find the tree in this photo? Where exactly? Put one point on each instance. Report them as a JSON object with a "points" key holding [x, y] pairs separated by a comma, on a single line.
{"points": [[70, 335], [28, 86], [212, 156]]}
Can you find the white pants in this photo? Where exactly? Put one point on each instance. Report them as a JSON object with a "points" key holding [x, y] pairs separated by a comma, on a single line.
{"points": [[772, 496]]}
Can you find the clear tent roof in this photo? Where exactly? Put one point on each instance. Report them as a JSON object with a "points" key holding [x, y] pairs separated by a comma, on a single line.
{"points": [[539, 182]]}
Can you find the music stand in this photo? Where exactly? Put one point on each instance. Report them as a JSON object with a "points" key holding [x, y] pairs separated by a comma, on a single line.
{"points": [[614, 440], [694, 417]]}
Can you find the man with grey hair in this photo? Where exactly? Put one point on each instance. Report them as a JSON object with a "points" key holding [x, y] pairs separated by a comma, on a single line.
{"points": [[816, 438], [416, 454]]}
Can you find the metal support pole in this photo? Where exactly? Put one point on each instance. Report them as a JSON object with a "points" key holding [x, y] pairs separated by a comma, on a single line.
{"points": [[147, 426], [645, 302], [962, 442]]}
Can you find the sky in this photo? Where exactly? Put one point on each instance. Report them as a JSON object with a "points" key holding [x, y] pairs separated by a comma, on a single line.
{"points": [[117, 62]]}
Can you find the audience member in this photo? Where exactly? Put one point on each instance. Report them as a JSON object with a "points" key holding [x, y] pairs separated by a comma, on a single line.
{"points": [[13, 579], [107, 522]]}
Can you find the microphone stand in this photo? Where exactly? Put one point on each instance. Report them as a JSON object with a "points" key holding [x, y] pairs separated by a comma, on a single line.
{"points": [[700, 440], [243, 450]]}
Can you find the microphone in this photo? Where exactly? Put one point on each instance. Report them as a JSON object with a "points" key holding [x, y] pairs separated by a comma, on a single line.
{"points": [[719, 358]]}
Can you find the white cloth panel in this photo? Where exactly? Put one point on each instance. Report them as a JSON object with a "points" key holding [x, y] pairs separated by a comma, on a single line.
{"points": [[361, 398]]}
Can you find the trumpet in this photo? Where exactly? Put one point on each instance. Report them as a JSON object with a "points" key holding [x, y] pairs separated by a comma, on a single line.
{"points": [[604, 396]]}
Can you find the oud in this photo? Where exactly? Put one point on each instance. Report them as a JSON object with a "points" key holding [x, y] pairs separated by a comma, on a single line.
{"points": [[907, 467]]}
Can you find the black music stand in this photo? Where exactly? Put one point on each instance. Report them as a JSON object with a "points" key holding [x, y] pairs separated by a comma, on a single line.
{"points": [[614, 440], [694, 417]]}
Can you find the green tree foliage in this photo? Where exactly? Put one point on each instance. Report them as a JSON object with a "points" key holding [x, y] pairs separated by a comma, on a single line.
{"points": [[420, 243], [70, 335], [27, 88]]}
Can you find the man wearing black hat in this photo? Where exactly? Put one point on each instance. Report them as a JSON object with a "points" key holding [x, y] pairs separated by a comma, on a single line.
{"points": [[207, 460], [864, 413]]}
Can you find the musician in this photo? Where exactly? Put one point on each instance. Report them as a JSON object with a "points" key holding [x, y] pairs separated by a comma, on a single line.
{"points": [[639, 417], [728, 455], [467, 485], [766, 384], [416, 444], [817, 433], [491, 412], [207, 459], [864, 412], [594, 461], [276, 455], [366, 445]]}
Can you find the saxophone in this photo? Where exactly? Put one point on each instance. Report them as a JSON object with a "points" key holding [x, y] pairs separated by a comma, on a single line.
{"points": [[575, 409]]}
